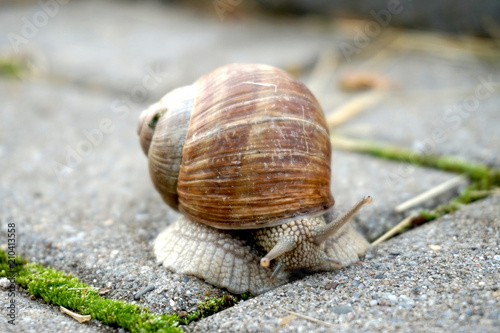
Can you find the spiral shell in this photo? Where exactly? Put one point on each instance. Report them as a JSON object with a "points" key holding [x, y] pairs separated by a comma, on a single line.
{"points": [[245, 146]]}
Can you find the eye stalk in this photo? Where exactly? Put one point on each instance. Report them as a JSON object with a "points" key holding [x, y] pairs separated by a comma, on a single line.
{"points": [[323, 232]]}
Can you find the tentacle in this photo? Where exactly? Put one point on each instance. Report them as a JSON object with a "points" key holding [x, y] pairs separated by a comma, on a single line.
{"points": [[323, 232], [277, 270], [285, 244]]}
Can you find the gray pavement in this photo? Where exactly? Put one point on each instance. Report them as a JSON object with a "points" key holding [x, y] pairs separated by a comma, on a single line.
{"points": [[75, 181]]}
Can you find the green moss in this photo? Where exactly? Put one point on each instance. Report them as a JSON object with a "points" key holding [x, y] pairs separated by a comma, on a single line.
{"points": [[476, 172], [246, 296], [209, 307], [10, 68], [62, 289], [213, 305], [483, 179], [472, 193], [58, 288]]}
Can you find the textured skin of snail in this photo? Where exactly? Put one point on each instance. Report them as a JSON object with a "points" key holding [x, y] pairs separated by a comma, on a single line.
{"points": [[231, 259], [244, 154]]}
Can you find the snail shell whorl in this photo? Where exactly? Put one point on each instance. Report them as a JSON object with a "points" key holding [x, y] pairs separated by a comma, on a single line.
{"points": [[256, 151], [162, 129]]}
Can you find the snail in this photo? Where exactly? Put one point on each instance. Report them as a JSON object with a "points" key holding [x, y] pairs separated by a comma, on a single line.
{"points": [[244, 155]]}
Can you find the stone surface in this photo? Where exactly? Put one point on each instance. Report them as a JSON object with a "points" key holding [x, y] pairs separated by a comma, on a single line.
{"points": [[401, 286]]}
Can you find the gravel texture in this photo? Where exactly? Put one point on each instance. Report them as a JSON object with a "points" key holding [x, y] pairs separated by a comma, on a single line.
{"points": [[441, 277]]}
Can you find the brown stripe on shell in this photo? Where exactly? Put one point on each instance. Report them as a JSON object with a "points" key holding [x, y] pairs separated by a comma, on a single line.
{"points": [[257, 150]]}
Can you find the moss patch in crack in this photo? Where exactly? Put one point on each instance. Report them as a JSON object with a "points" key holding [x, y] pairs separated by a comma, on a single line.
{"points": [[11, 68], [58, 288], [483, 178], [213, 305], [475, 171], [470, 194]]}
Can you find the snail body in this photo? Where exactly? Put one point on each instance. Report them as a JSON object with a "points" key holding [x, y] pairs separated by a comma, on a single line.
{"points": [[244, 154]]}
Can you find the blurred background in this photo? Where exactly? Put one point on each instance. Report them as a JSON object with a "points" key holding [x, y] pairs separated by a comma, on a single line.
{"points": [[430, 52], [75, 75]]}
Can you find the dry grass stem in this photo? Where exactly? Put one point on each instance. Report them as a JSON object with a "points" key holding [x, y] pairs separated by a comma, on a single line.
{"points": [[354, 107], [287, 319], [347, 144], [451, 94], [322, 71], [309, 318], [365, 80], [80, 318], [480, 193], [460, 48], [382, 50], [396, 229], [432, 193]]}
